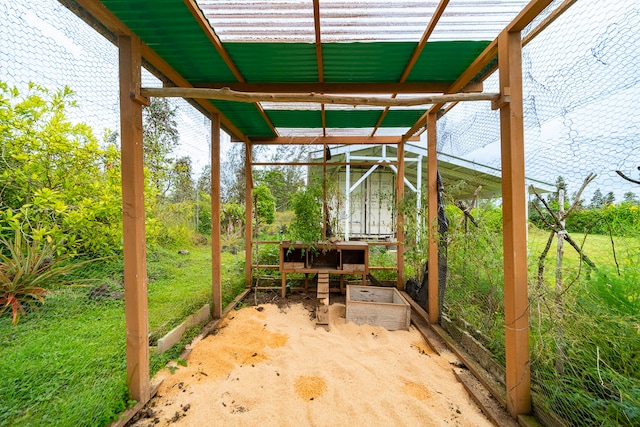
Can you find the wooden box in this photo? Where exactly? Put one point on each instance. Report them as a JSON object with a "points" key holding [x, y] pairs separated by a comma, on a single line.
{"points": [[377, 306]]}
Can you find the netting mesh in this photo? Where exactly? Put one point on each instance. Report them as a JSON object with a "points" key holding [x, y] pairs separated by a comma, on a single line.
{"points": [[581, 86], [48, 357], [52, 47]]}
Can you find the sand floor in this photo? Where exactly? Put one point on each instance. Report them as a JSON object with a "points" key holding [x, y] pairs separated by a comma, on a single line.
{"points": [[270, 366]]}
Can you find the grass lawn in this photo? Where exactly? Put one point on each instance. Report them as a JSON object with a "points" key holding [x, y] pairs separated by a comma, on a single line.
{"points": [[596, 247], [64, 365]]}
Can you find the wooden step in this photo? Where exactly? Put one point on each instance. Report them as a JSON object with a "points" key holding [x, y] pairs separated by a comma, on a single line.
{"points": [[322, 315]]}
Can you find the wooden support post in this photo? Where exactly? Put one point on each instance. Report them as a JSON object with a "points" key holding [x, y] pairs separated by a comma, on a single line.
{"points": [[432, 217], [248, 216], [514, 202], [400, 217], [135, 257], [216, 260]]}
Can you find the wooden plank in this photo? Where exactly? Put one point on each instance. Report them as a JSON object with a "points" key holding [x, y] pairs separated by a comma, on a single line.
{"points": [[432, 217], [400, 216], [216, 245], [514, 205], [126, 416], [248, 222], [526, 15], [343, 88], [333, 164], [377, 306], [415, 55], [489, 406], [98, 16], [226, 94], [133, 221], [215, 40], [557, 12], [329, 140]]}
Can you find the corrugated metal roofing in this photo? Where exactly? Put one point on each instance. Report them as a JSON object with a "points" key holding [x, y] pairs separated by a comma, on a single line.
{"points": [[362, 41]]}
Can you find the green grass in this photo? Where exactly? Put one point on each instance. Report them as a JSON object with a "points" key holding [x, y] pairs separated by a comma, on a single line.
{"points": [[597, 247], [64, 364]]}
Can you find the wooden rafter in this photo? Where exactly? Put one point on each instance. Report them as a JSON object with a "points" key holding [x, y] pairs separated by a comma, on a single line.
{"points": [[557, 12], [528, 14], [316, 26], [96, 14], [415, 55], [251, 97], [329, 140], [215, 40]]}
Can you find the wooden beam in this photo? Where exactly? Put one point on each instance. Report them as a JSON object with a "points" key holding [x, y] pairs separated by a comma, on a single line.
{"points": [[216, 249], [557, 12], [96, 14], [343, 88], [437, 14], [526, 15], [329, 140], [416, 54], [316, 26], [488, 54], [251, 97], [213, 37], [400, 216], [133, 220], [378, 163], [514, 204], [215, 40], [248, 215], [432, 218]]}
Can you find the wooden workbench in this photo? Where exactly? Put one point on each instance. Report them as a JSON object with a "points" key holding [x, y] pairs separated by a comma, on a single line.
{"points": [[332, 258]]}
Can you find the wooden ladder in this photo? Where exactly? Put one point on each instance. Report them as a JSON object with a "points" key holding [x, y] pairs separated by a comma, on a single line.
{"points": [[322, 312]]}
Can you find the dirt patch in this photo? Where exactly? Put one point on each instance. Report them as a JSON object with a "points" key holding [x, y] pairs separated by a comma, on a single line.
{"points": [[269, 365], [310, 387]]}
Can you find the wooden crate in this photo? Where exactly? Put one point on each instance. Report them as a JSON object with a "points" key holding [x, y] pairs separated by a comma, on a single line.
{"points": [[377, 306]]}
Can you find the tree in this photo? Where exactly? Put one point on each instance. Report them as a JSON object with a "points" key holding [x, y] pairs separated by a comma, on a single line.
{"points": [[265, 204], [183, 185], [56, 183], [609, 199], [160, 137], [630, 197], [596, 200], [232, 175]]}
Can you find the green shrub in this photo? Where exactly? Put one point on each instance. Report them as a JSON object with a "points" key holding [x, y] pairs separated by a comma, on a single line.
{"points": [[27, 270]]}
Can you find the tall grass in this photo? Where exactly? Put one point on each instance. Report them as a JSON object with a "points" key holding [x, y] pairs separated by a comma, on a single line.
{"points": [[585, 335]]}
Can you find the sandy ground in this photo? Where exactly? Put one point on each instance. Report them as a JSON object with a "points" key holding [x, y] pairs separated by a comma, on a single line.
{"points": [[270, 366]]}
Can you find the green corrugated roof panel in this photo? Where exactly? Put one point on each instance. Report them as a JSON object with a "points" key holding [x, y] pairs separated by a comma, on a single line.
{"points": [[352, 118], [343, 118], [168, 27], [275, 62], [401, 118], [445, 61], [296, 118], [245, 116], [365, 62]]}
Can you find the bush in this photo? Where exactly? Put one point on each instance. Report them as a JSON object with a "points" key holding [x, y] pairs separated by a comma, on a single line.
{"points": [[27, 270]]}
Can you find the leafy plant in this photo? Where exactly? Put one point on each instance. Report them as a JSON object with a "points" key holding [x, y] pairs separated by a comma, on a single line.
{"points": [[26, 271], [306, 226]]}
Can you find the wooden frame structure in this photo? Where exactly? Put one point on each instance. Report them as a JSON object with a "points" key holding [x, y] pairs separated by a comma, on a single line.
{"points": [[506, 47]]}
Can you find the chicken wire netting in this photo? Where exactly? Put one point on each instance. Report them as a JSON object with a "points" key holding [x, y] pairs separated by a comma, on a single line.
{"points": [[581, 85], [582, 130], [45, 44]]}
